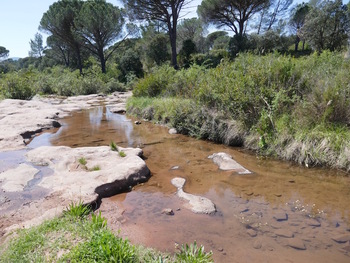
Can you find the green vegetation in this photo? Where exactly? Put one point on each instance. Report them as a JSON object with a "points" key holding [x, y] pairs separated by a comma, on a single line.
{"points": [[114, 147], [292, 108], [79, 237], [95, 168], [122, 154], [82, 161]]}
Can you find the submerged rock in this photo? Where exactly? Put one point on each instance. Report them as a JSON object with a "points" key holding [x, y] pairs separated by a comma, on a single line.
{"points": [[296, 243], [342, 238], [225, 162], [196, 204], [168, 211], [15, 180]]}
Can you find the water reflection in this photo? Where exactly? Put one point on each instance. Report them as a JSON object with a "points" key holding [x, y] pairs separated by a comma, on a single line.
{"points": [[279, 206]]}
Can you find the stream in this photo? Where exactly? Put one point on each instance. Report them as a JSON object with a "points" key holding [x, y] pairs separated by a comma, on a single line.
{"points": [[282, 212]]}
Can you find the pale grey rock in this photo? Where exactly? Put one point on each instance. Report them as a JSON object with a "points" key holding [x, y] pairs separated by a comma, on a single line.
{"points": [[120, 108], [20, 120], [168, 211], [14, 180], [196, 204], [225, 162], [172, 131], [75, 183]]}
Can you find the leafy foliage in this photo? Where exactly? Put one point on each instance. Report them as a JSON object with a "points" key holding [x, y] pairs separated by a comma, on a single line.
{"points": [[193, 254]]}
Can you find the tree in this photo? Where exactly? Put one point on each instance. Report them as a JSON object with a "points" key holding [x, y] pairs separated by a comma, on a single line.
{"points": [[193, 29], [327, 26], [297, 22], [158, 50], [188, 48], [58, 50], [233, 14], [59, 21], [36, 46], [214, 37], [164, 11], [3, 52], [100, 24], [273, 13]]}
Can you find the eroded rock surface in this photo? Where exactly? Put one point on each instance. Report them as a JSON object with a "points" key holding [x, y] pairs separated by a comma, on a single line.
{"points": [[226, 163], [196, 204], [75, 174], [20, 119]]}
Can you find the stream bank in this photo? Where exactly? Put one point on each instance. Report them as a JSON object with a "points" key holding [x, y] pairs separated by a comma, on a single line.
{"points": [[280, 212]]}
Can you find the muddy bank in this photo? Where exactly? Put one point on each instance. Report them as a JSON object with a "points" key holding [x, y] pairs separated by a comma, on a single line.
{"points": [[37, 184]]}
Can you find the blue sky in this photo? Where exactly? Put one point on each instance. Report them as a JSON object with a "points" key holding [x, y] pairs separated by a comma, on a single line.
{"points": [[19, 21]]}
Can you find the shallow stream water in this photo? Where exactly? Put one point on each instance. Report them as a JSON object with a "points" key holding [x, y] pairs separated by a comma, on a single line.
{"points": [[282, 212]]}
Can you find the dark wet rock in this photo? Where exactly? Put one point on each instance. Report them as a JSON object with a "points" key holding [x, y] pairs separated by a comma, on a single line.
{"points": [[168, 211], [172, 131], [284, 233], [291, 181], [281, 216], [296, 243], [342, 238], [257, 244], [252, 232]]}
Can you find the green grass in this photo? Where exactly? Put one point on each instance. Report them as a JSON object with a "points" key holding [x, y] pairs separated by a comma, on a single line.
{"points": [[122, 154], [82, 161], [114, 147], [95, 168], [77, 236], [292, 108]]}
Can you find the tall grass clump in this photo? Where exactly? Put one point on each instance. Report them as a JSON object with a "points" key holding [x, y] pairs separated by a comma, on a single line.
{"points": [[292, 108], [76, 238]]}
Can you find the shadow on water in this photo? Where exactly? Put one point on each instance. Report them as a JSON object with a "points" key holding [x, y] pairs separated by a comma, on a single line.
{"points": [[281, 212]]}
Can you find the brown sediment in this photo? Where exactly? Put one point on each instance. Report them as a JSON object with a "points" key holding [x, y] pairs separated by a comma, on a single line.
{"points": [[270, 215]]}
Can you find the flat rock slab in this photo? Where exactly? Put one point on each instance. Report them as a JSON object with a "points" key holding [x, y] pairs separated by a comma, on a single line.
{"points": [[342, 238], [284, 233], [226, 163], [196, 204], [15, 180], [21, 119], [104, 173], [296, 243]]}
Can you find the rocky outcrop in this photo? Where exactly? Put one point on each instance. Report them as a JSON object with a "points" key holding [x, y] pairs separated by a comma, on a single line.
{"points": [[105, 173], [79, 175], [20, 120], [226, 163], [196, 204]]}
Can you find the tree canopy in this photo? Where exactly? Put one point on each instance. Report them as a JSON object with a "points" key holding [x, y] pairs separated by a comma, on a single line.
{"points": [[164, 11], [3, 52], [233, 14]]}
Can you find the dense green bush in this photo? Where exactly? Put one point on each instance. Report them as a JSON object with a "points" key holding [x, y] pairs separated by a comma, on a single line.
{"points": [[294, 108], [25, 83]]}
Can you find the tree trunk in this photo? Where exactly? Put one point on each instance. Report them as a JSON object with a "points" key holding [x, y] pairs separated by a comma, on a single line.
{"points": [[102, 60], [172, 35], [297, 40], [80, 63]]}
